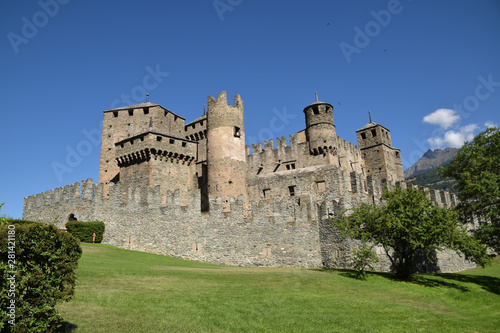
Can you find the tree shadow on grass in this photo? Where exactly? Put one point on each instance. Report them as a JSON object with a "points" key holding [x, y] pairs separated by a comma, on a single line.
{"points": [[66, 327], [488, 283]]}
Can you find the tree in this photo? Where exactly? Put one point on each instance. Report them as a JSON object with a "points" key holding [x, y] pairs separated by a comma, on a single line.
{"points": [[408, 222], [477, 170]]}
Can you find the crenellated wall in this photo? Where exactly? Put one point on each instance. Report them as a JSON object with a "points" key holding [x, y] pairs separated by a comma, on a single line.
{"points": [[278, 233], [293, 231]]}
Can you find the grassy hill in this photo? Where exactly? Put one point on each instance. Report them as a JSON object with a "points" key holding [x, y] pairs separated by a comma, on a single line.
{"points": [[126, 291], [433, 180]]}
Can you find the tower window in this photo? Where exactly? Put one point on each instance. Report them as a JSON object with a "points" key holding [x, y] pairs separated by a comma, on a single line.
{"points": [[266, 192], [115, 114], [237, 132], [158, 138], [363, 135], [374, 133], [184, 144], [172, 141], [146, 110], [131, 112], [292, 190]]}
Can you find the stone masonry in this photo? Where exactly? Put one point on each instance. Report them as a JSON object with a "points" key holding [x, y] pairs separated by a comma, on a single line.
{"points": [[195, 191]]}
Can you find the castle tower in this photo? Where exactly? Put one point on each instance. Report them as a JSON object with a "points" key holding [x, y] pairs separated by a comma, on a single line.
{"points": [[320, 128], [226, 161], [382, 160]]}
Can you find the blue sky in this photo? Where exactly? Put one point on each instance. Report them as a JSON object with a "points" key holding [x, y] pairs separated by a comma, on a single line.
{"points": [[427, 70]]}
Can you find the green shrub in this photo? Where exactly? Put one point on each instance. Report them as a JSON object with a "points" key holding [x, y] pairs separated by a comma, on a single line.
{"points": [[18, 221], [42, 274], [84, 230]]}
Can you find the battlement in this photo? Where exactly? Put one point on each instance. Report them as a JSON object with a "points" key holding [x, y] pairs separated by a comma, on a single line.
{"points": [[155, 143], [347, 146], [269, 145], [89, 201]]}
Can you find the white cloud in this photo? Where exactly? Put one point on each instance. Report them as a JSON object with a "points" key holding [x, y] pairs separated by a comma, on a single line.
{"points": [[490, 124], [454, 139], [444, 118]]}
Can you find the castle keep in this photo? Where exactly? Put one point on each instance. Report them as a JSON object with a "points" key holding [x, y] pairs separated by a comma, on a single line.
{"points": [[195, 191]]}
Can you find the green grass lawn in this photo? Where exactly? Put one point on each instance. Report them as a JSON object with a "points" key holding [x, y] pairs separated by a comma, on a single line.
{"points": [[126, 291]]}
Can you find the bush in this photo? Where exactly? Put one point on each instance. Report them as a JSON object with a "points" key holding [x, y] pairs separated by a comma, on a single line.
{"points": [[84, 230], [37, 269], [18, 221]]}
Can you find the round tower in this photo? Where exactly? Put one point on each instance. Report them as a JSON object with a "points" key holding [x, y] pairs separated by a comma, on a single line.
{"points": [[320, 128], [226, 161]]}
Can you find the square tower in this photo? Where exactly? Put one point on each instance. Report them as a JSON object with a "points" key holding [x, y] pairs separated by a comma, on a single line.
{"points": [[382, 160]]}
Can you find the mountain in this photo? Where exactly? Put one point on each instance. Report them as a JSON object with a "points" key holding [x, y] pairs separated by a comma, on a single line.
{"points": [[424, 172], [431, 160]]}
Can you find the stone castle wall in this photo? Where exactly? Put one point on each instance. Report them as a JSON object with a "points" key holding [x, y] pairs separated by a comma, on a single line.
{"points": [[286, 232]]}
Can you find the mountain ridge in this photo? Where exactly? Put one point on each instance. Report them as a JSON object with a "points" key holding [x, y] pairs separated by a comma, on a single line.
{"points": [[430, 161]]}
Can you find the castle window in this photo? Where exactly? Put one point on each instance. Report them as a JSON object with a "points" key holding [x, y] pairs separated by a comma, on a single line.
{"points": [[146, 110], [288, 166], [293, 166], [237, 132], [115, 114], [315, 110], [260, 170], [193, 125], [142, 138], [397, 154], [184, 144], [201, 123], [158, 138], [374, 133], [266, 192], [165, 114], [292, 190], [363, 135], [131, 112], [321, 186], [172, 141]]}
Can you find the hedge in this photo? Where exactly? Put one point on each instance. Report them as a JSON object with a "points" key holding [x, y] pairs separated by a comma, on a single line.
{"points": [[85, 230], [42, 274]]}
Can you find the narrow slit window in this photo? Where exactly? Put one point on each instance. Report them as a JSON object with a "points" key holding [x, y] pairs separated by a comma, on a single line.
{"points": [[374, 133], [292, 190], [363, 135], [237, 132]]}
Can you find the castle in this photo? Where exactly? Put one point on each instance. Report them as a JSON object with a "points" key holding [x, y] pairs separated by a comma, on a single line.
{"points": [[195, 191]]}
